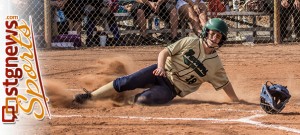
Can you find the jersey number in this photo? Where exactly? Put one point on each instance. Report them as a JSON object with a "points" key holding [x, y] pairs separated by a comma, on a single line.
{"points": [[193, 62]]}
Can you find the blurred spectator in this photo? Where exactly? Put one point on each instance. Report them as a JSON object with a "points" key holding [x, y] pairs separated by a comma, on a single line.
{"points": [[289, 8], [34, 8], [74, 10], [26, 8], [59, 17], [215, 6], [194, 11], [259, 6], [163, 8], [95, 9], [228, 4]]}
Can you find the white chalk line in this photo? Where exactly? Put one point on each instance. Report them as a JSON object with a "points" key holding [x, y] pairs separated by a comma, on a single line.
{"points": [[74, 89], [259, 124], [238, 110], [242, 120]]}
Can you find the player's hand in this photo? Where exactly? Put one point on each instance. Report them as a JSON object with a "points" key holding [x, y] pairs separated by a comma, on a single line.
{"points": [[159, 72], [285, 3]]}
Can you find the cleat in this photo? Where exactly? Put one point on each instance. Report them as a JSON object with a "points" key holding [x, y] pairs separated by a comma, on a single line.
{"points": [[82, 98]]}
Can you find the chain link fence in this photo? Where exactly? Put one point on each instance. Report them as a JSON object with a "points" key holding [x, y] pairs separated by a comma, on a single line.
{"points": [[88, 23], [290, 20], [35, 9]]}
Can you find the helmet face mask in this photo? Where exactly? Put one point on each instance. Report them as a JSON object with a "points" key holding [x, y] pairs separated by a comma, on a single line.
{"points": [[273, 98]]}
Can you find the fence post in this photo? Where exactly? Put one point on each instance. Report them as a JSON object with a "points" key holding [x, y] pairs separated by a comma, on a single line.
{"points": [[277, 22], [47, 25]]}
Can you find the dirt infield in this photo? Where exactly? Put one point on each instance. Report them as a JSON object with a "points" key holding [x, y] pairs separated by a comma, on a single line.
{"points": [[204, 112]]}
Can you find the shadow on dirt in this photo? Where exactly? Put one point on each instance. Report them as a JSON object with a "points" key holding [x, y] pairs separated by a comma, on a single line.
{"points": [[193, 101], [290, 113]]}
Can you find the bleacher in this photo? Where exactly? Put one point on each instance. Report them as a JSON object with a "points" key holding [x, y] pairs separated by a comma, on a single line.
{"points": [[234, 16], [239, 29]]}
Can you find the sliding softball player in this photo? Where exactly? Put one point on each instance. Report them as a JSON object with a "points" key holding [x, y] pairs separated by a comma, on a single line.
{"points": [[180, 70]]}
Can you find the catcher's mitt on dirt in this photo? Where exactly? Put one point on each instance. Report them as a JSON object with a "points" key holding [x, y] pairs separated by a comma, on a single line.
{"points": [[273, 97]]}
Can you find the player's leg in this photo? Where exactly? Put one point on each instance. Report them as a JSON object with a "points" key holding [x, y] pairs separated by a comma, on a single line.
{"points": [[103, 92], [158, 94], [139, 79]]}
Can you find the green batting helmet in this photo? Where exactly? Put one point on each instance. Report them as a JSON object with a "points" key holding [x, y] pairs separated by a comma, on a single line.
{"points": [[216, 24]]}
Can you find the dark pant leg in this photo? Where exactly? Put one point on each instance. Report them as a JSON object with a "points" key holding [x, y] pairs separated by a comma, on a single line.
{"points": [[160, 90], [112, 22], [296, 16], [62, 27], [113, 26], [284, 21], [158, 94], [90, 27], [165, 11], [139, 79]]}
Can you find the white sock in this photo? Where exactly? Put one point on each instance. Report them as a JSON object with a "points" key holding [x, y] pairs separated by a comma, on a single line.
{"points": [[104, 91]]}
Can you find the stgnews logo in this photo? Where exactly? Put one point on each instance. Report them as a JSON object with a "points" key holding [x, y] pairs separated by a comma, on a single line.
{"points": [[22, 85]]}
